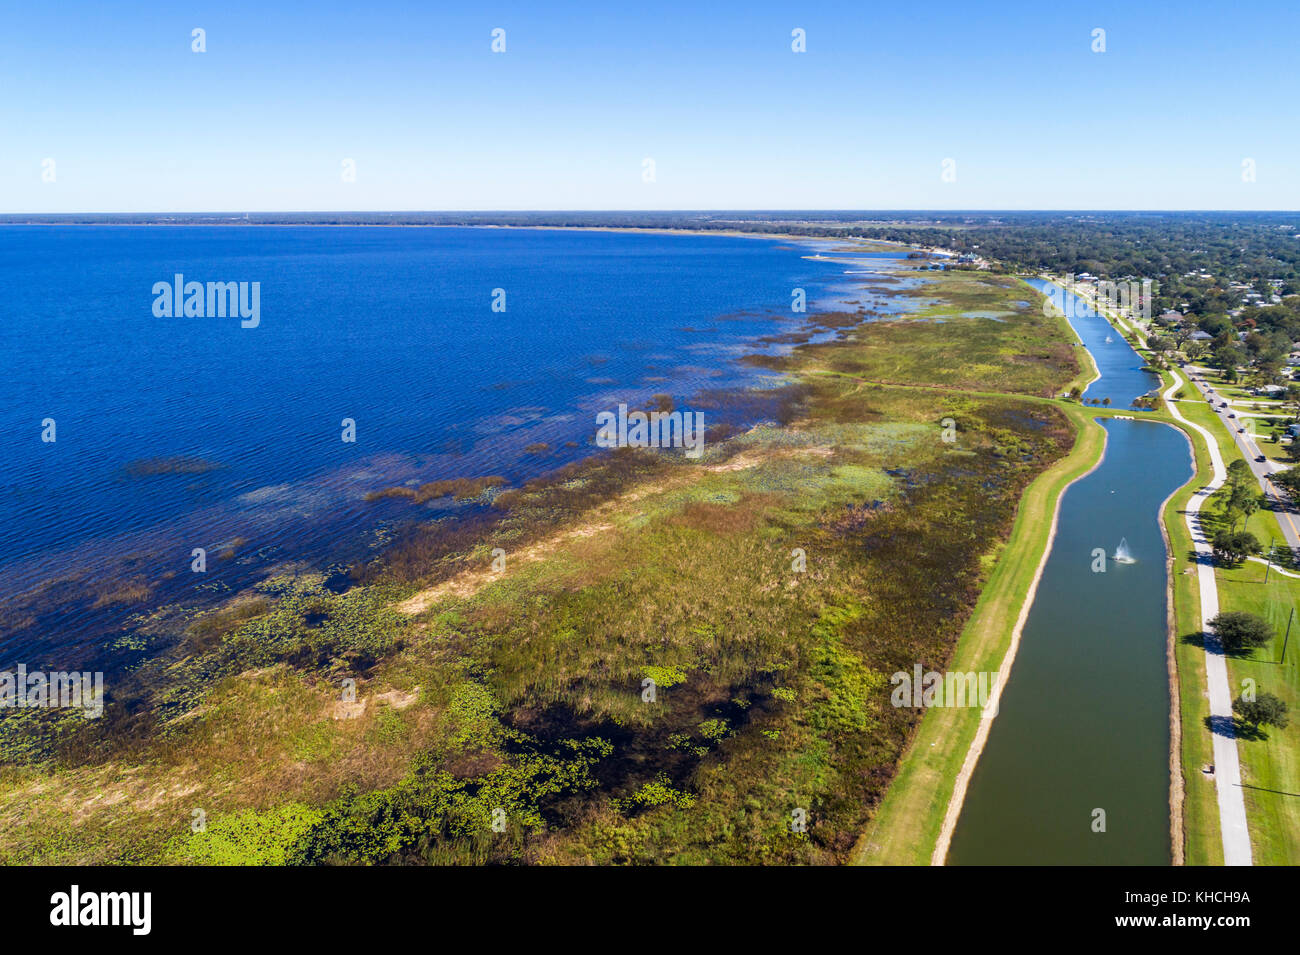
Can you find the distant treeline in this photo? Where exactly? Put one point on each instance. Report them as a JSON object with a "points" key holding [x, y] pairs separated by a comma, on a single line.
{"points": [[1241, 246]]}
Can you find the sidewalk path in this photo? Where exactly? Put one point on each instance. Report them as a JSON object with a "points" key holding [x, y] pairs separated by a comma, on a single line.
{"points": [[1227, 768]]}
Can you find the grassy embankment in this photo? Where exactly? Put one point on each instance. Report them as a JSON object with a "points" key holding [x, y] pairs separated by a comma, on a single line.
{"points": [[768, 589], [1201, 838], [906, 827]]}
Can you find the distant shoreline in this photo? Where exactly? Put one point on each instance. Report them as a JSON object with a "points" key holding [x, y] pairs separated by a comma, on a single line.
{"points": [[647, 230]]}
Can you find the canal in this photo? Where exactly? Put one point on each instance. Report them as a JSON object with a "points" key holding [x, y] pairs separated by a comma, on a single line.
{"points": [[1075, 770]]}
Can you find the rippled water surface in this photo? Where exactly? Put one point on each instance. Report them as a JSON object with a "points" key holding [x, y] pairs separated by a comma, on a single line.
{"points": [[183, 432]]}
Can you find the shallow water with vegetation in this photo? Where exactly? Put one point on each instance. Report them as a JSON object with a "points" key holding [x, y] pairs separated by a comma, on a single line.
{"points": [[202, 433], [500, 660]]}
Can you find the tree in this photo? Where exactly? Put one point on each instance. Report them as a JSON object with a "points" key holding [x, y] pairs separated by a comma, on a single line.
{"points": [[1232, 547], [1265, 708], [1242, 500], [1250, 503], [1238, 630], [1269, 370], [1226, 358], [1288, 480]]}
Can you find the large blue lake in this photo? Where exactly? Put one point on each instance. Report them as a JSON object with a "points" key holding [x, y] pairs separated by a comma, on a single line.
{"points": [[181, 432]]}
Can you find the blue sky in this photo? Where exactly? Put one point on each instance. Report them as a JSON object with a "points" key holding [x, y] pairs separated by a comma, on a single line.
{"points": [[584, 93]]}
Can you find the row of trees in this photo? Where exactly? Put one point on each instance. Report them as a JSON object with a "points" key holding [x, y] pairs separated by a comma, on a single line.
{"points": [[1240, 498], [1238, 631]]}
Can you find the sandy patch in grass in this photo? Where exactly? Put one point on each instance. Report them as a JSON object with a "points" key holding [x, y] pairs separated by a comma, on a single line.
{"points": [[469, 582]]}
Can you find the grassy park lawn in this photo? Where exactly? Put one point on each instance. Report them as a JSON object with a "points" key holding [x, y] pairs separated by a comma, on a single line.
{"points": [[1274, 763], [1276, 451], [1270, 766]]}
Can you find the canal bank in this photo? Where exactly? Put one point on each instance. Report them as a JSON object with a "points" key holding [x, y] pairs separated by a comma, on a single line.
{"points": [[1120, 377], [1080, 749], [1075, 769], [915, 822]]}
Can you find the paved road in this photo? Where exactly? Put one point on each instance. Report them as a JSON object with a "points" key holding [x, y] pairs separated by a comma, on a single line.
{"points": [[1227, 767], [1287, 515]]}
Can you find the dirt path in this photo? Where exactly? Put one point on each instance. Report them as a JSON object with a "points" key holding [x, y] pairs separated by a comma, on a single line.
{"points": [[598, 521]]}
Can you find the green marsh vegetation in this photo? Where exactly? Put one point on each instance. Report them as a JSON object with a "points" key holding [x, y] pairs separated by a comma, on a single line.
{"points": [[769, 590], [1020, 351]]}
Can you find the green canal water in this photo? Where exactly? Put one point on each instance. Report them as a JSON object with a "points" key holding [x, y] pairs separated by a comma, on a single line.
{"points": [[1083, 723]]}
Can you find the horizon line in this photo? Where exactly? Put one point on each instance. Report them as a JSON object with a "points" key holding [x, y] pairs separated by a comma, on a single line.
{"points": [[630, 211]]}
